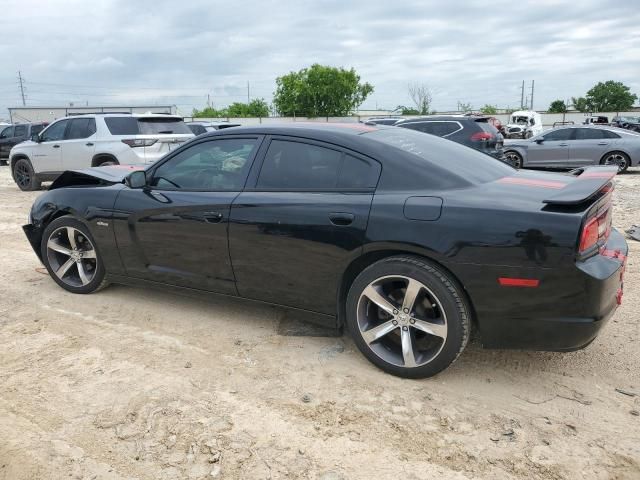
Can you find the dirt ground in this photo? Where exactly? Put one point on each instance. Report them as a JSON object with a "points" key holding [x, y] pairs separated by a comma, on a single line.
{"points": [[139, 384]]}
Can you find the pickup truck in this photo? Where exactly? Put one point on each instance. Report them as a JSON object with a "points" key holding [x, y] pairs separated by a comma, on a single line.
{"points": [[14, 134]]}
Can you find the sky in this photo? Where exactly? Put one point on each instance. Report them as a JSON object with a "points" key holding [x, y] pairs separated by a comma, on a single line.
{"points": [[126, 52]]}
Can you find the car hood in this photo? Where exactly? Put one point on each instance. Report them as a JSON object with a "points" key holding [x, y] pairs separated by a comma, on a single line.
{"points": [[97, 176]]}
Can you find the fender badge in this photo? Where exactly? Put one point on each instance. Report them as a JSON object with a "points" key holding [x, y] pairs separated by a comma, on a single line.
{"points": [[102, 224]]}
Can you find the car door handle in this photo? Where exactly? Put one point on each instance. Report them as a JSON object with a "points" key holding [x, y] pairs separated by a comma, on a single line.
{"points": [[89, 144], [212, 217], [341, 219], [563, 144], [603, 143], [56, 146]]}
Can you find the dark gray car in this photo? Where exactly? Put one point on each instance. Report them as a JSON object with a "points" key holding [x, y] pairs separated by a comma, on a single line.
{"points": [[576, 146]]}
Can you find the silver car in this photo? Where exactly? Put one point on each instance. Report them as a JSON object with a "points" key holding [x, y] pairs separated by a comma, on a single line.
{"points": [[576, 146]]}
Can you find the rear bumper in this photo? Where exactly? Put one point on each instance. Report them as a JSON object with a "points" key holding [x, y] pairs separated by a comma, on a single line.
{"points": [[566, 311]]}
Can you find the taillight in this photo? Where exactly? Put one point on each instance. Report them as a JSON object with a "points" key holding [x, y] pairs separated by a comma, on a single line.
{"points": [[589, 235], [597, 229], [481, 137], [139, 142]]}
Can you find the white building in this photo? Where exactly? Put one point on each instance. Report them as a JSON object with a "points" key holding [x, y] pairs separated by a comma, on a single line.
{"points": [[49, 114]]}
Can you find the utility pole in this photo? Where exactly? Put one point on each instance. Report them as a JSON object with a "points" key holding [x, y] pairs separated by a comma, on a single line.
{"points": [[532, 86], [248, 97], [522, 95], [208, 100], [20, 79]]}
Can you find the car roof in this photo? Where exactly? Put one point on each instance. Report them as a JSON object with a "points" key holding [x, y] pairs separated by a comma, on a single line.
{"points": [[471, 118], [124, 114], [221, 122]]}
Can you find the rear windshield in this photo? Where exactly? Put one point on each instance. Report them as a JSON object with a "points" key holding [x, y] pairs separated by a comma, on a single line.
{"points": [[145, 126], [462, 161]]}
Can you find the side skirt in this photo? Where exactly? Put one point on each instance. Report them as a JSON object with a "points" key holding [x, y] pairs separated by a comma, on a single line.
{"points": [[323, 320]]}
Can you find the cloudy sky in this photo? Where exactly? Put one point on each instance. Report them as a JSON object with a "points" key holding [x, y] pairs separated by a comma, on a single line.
{"points": [[170, 52]]}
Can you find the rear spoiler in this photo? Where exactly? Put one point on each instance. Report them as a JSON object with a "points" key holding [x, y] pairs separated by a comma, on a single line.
{"points": [[590, 181]]}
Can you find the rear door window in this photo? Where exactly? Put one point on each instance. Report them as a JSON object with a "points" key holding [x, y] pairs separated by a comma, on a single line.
{"points": [[440, 128], [358, 173], [80, 128], [299, 166]]}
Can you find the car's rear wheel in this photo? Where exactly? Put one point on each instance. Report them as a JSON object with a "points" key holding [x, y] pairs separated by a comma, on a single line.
{"points": [[514, 159], [71, 257], [24, 176], [619, 159], [408, 317]]}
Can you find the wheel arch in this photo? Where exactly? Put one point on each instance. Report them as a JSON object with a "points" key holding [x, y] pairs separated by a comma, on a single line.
{"points": [[100, 157], [376, 253], [16, 157]]}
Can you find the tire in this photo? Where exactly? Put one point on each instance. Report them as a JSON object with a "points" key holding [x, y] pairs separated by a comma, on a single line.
{"points": [[434, 331], [78, 270], [528, 135], [105, 162], [25, 177], [620, 159], [514, 159]]}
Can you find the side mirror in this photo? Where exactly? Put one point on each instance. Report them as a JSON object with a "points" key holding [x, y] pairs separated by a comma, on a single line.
{"points": [[137, 179], [539, 140], [35, 138]]}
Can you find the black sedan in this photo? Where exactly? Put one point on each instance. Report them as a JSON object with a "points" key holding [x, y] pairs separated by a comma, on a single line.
{"points": [[407, 239]]}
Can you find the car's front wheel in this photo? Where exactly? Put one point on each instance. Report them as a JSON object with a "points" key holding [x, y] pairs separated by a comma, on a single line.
{"points": [[71, 257], [24, 176], [408, 317]]}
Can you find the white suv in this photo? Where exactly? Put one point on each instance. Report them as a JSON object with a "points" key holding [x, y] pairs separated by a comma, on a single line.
{"points": [[95, 140]]}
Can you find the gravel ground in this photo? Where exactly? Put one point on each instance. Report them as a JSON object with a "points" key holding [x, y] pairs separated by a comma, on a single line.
{"points": [[140, 384]]}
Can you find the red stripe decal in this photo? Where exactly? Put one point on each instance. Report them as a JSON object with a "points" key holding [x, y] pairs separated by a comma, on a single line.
{"points": [[533, 183], [518, 282]]}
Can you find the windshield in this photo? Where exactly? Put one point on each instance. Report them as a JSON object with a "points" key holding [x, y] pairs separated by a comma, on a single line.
{"points": [[520, 120]]}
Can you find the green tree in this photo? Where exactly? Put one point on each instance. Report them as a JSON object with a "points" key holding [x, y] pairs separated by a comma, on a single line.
{"points": [[489, 109], [320, 91], [255, 108], [610, 96], [557, 106], [406, 110], [580, 104], [208, 112]]}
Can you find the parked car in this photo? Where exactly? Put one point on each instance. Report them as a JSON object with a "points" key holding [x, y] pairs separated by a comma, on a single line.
{"points": [[493, 121], [577, 146], [473, 131], [198, 128], [405, 238], [95, 140], [596, 120], [382, 120], [14, 134], [524, 124], [630, 123]]}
